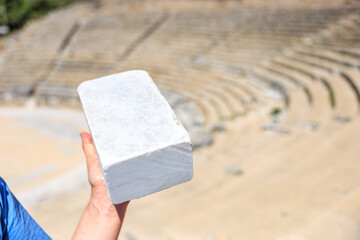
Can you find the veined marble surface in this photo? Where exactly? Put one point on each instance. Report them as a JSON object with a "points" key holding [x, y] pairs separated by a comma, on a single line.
{"points": [[142, 146]]}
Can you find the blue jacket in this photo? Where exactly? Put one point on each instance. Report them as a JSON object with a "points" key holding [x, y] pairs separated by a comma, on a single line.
{"points": [[16, 223]]}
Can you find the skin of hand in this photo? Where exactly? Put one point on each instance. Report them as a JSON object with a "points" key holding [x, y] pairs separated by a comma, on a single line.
{"points": [[101, 219]]}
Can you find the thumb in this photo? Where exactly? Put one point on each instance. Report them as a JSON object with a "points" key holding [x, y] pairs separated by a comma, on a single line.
{"points": [[92, 160], [88, 146]]}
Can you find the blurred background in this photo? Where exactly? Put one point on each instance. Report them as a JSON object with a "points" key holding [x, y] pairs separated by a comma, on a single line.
{"points": [[268, 90]]}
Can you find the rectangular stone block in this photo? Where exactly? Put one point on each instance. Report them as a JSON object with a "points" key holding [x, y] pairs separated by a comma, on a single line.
{"points": [[142, 146]]}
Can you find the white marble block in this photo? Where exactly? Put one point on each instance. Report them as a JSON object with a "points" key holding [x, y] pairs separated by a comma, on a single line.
{"points": [[142, 146]]}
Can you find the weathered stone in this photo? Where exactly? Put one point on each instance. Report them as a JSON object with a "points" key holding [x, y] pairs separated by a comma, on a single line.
{"points": [[129, 236], [199, 137], [217, 127], [233, 171], [273, 127], [142, 146], [173, 98], [342, 119], [309, 125], [190, 116]]}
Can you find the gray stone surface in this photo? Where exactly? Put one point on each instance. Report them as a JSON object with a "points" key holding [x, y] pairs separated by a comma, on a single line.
{"points": [[174, 98], [142, 146], [341, 119], [309, 125], [200, 137], [190, 116], [217, 127], [233, 171]]}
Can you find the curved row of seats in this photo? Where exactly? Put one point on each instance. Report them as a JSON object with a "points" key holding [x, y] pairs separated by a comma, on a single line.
{"points": [[328, 79], [229, 62], [310, 92]]}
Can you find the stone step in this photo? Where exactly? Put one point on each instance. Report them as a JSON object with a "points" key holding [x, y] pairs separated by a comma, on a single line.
{"points": [[223, 109], [237, 85], [210, 113], [349, 74], [320, 107], [232, 100], [332, 55], [345, 98], [328, 58]]}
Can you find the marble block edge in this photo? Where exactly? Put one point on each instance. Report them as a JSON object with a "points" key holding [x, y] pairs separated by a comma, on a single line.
{"points": [[180, 158], [183, 151]]}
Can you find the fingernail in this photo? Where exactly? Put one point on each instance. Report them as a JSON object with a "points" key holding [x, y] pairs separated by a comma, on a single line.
{"points": [[85, 138]]}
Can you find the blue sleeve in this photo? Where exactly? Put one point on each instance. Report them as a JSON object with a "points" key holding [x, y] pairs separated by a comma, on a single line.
{"points": [[16, 223]]}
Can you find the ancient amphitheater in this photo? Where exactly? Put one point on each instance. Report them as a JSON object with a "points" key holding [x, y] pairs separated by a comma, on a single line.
{"points": [[269, 91]]}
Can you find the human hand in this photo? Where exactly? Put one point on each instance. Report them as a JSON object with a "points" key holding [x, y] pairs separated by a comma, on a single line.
{"points": [[95, 174], [101, 219]]}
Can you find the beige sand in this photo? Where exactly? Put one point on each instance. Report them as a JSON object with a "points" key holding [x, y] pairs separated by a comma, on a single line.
{"points": [[294, 185], [250, 184]]}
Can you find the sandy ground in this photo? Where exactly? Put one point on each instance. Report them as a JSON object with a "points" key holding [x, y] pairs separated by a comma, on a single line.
{"points": [[248, 185], [42, 160]]}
